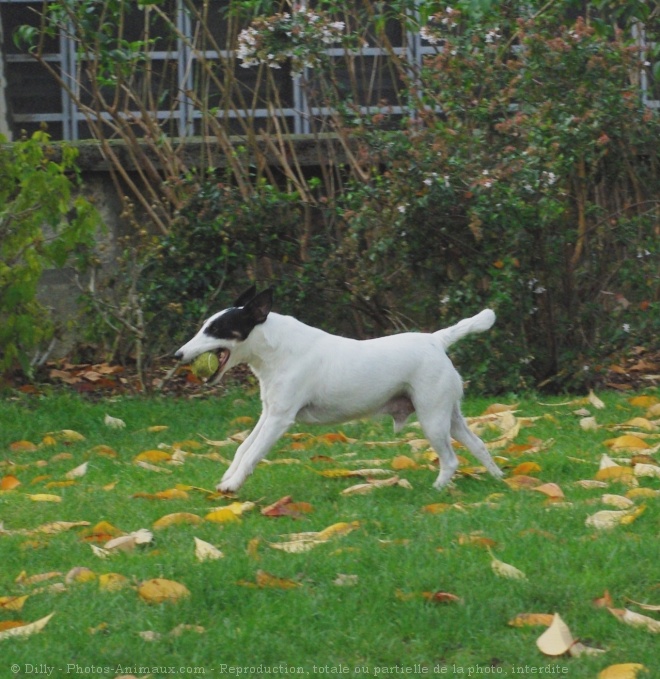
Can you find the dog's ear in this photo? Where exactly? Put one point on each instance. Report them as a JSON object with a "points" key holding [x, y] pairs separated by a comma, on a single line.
{"points": [[259, 306], [246, 296]]}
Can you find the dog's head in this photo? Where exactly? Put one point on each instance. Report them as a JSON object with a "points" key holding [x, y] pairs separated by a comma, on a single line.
{"points": [[224, 332]]}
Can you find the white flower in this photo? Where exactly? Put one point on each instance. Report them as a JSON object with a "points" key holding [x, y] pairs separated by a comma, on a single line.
{"points": [[428, 35], [428, 181], [401, 208], [626, 327]]}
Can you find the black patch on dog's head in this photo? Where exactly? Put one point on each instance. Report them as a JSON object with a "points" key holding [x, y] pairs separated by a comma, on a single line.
{"points": [[238, 322]]}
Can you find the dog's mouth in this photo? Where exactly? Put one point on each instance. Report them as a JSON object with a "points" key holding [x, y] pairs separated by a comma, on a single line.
{"points": [[223, 357]]}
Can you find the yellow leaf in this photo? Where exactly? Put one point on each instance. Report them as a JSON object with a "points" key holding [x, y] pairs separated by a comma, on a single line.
{"points": [[61, 484], [66, 436], [623, 475], [12, 603], [171, 494], [595, 401], [627, 442], [205, 551], [48, 441], [532, 620], [80, 574], [557, 639], [643, 401], [338, 530], [157, 428], [335, 473], [494, 408], [644, 493], [641, 423], [176, 519], [608, 519], [112, 582], [43, 497], [160, 590], [243, 421], [617, 501], [26, 630], [628, 670], [223, 515], [153, 456]]}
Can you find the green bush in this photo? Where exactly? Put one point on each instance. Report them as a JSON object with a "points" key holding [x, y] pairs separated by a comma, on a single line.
{"points": [[42, 224]]}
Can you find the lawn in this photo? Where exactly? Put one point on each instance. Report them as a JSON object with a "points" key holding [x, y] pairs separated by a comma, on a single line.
{"points": [[405, 580]]}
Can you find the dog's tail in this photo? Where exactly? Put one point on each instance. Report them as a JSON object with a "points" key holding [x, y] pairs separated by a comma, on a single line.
{"points": [[482, 321]]}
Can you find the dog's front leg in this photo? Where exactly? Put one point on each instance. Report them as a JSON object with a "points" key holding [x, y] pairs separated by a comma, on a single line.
{"points": [[267, 432], [240, 451]]}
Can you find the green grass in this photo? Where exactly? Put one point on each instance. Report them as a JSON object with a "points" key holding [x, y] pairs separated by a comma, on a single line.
{"points": [[319, 627]]}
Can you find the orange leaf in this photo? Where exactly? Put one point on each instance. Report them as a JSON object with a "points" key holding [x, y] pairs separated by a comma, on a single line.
{"points": [[265, 579], [436, 508], [9, 482], [441, 597], [626, 442], [526, 468], [22, 447], [552, 490], [403, 462]]}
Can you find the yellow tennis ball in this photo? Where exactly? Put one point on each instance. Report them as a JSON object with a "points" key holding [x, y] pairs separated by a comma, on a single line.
{"points": [[205, 365]]}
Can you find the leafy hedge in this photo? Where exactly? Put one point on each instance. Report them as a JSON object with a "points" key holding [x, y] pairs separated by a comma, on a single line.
{"points": [[527, 181]]}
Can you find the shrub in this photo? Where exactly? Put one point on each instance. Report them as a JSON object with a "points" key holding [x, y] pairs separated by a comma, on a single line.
{"points": [[42, 224]]}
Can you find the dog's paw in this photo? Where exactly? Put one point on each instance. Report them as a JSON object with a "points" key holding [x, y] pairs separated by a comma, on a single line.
{"points": [[228, 486]]}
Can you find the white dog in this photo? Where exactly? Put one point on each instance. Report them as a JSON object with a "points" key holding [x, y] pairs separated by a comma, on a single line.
{"points": [[308, 375]]}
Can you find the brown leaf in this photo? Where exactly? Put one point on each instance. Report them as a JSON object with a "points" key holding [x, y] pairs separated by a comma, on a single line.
{"points": [[441, 597], [176, 519], [552, 490], [22, 447], [636, 619], [9, 482], [265, 579], [522, 482]]}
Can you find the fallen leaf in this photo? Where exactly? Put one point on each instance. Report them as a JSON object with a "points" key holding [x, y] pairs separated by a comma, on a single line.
{"points": [[66, 436], [345, 580], [114, 422], [646, 607], [401, 462], [9, 482], [26, 630], [627, 670], [627, 442], [595, 401], [648, 470], [604, 601], [522, 482], [552, 490], [505, 570], [606, 519], [79, 471], [588, 423], [28, 580], [80, 574], [636, 619], [153, 456], [476, 539], [22, 447], [264, 579], [205, 551], [436, 507], [58, 527], [12, 603], [169, 494], [160, 590], [152, 467], [223, 515], [285, 506], [176, 519], [112, 582], [557, 639], [532, 620], [441, 597], [526, 468], [44, 497], [617, 501], [126, 543]]}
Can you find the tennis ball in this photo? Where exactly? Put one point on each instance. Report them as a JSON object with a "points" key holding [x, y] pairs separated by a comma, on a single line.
{"points": [[205, 365]]}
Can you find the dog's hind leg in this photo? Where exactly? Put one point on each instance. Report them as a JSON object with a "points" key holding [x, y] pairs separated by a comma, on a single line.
{"points": [[462, 433], [435, 424]]}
